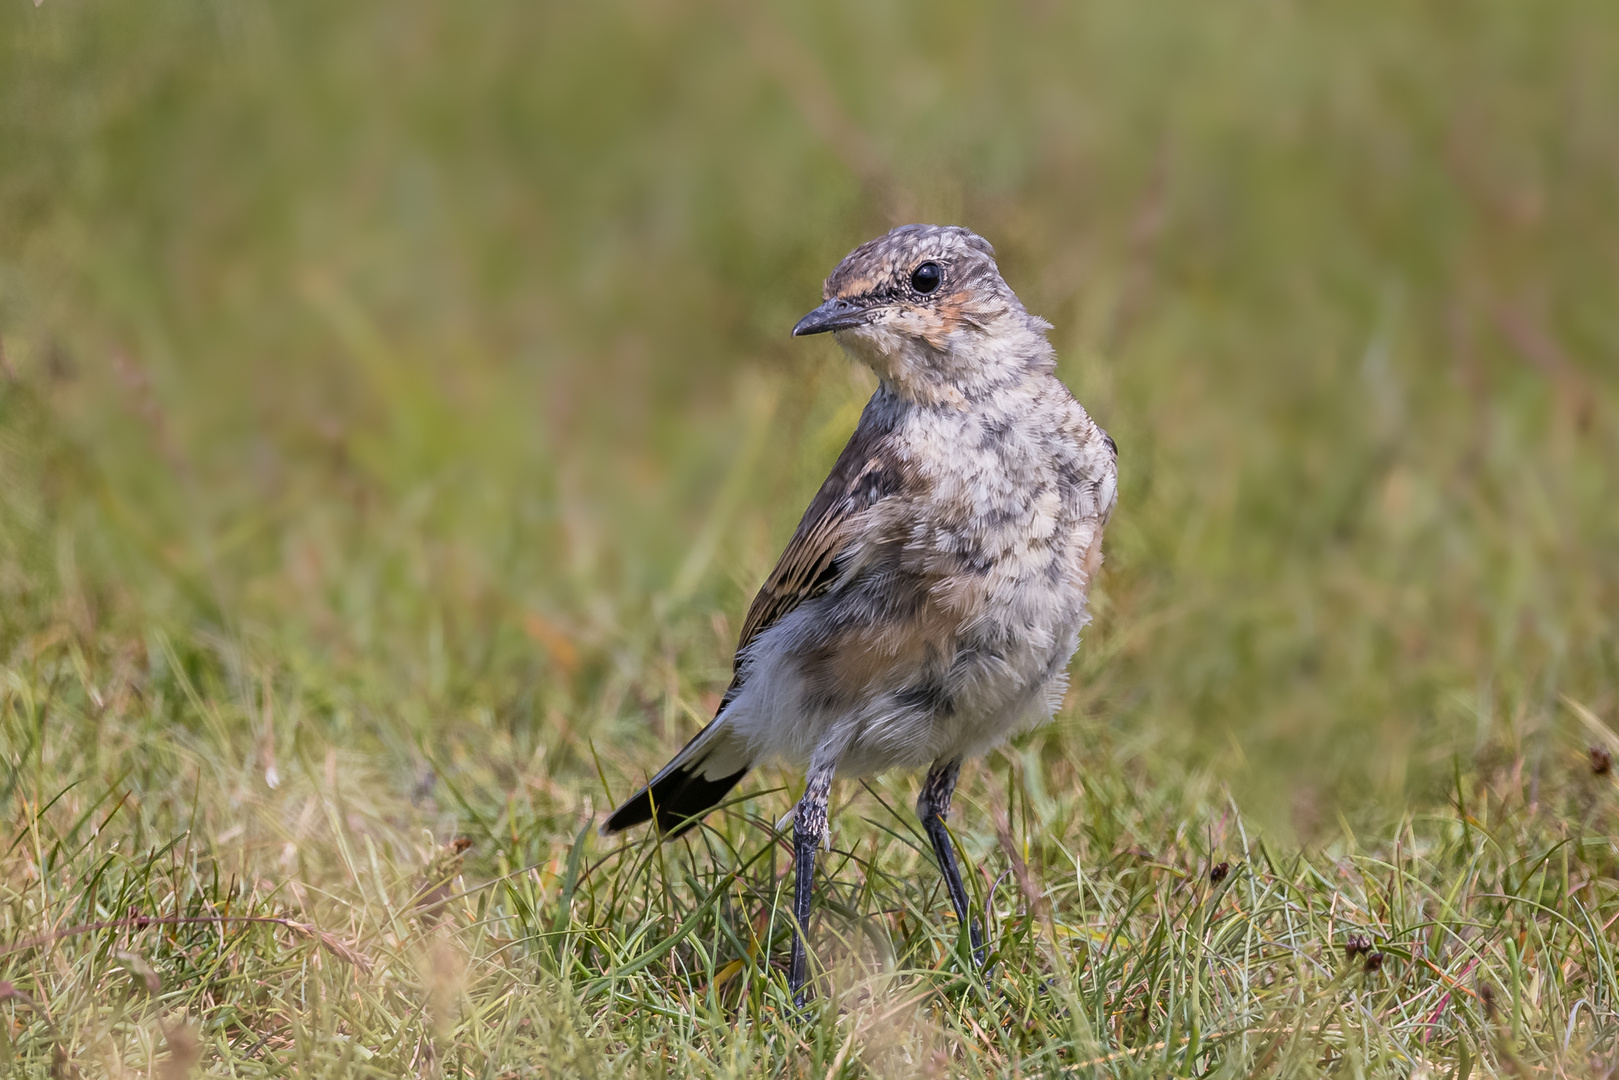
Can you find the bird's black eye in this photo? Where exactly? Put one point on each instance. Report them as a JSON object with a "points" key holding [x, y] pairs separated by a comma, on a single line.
{"points": [[926, 278]]}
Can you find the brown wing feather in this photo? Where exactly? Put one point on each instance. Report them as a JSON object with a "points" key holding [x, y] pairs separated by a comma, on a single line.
{"points": [[864, 473]]}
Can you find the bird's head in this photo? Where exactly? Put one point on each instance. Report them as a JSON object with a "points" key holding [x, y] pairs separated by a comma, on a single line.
{"points": [[925, 307]]}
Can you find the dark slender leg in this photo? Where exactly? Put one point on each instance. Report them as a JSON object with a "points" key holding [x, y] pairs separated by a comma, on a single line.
{"points": [[933, 806], [809, 832]]}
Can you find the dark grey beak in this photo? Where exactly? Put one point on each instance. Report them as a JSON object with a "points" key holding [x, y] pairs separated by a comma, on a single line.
{"points": [[832, 315]]}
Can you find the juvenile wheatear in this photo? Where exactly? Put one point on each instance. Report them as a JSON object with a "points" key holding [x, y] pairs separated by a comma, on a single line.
{"points": [[928, 604]]}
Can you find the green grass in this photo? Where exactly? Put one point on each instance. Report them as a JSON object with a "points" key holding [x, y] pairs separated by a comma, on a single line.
{"points": [[397, 412]]}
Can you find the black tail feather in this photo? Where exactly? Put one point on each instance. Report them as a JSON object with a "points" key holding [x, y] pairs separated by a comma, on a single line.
{"points": [[677, 799]]}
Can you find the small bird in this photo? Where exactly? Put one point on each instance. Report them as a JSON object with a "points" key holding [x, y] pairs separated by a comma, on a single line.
{"points": [[928, 604]]}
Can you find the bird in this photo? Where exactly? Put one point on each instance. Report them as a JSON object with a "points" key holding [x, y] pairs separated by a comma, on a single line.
{"points": [[928, 604]]}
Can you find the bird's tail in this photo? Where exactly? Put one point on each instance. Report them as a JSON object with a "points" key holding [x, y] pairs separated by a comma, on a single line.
{"points": [[689, 786]]}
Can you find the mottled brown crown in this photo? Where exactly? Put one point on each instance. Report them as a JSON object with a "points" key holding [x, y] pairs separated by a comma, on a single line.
{"points": [[880, 270]]}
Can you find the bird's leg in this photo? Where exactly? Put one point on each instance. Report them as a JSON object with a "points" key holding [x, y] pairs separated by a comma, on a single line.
{"points": [[809, 832], [933, 806]]}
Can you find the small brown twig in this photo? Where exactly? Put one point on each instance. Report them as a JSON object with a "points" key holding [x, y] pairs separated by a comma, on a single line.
{"points": [[9, 992], [1020, 869]]}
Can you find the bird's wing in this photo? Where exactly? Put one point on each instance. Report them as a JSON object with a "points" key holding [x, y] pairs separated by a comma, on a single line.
{"points": [[865, 473], [709, 765]]}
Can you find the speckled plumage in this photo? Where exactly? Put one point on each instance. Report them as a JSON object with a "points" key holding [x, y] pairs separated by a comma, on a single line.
{"points": [[928, 604]]}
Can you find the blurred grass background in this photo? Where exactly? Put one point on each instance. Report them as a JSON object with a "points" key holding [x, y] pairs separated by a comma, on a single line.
{"points": [[369, 336], [409, 385]]}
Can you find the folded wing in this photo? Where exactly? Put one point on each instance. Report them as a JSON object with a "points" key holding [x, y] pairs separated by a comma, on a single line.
{"points": [[714, 761]]}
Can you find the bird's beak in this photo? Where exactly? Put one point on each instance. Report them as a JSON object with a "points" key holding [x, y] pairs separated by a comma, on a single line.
{"points": [[832, 315]]}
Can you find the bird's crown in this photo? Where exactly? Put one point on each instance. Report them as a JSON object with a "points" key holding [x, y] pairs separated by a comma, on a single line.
{"points": [[885, 267], [925, 305]]}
